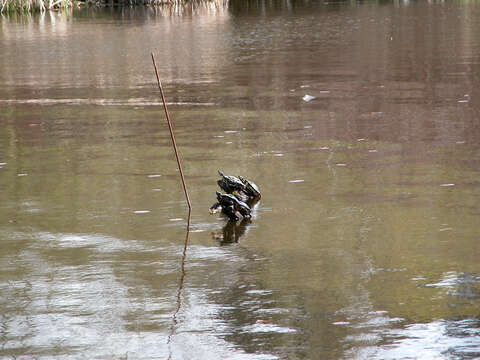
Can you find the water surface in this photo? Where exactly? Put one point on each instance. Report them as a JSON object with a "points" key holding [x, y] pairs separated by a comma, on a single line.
{"points": [[365, 243]]}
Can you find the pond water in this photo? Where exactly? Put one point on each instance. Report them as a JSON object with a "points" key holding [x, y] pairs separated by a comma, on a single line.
{"points": [[365, 244]]}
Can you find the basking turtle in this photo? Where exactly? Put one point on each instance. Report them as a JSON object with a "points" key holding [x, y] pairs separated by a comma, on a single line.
{"points": [[251, 189], [230, 206], [230, 184]]}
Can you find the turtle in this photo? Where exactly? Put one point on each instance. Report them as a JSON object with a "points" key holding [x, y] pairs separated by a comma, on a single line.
{"points": [[230, 184], [226, 208], [230, 206], [251, 189]]}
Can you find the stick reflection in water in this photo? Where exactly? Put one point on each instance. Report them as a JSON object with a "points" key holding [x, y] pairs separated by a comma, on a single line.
{"points": [[181, 283]]}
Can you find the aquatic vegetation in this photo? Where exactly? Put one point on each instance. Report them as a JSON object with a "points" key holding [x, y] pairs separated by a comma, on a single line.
{"points": [[28, 6]]}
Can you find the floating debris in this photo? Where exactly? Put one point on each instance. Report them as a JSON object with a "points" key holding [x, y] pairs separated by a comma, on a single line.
{"points": [[176, 219], [141, 211], [445, 229], [296, 181], [308, 98], [154, 175], [22, 174], [418, 278], [446, 185]]}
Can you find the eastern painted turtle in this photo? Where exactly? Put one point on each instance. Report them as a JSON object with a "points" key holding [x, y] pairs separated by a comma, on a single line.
{"points": [[230, 206]]}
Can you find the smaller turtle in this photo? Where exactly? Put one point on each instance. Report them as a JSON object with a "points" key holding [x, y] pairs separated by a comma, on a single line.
{"points": [[231, 206], [251, 189], [230, 184]]}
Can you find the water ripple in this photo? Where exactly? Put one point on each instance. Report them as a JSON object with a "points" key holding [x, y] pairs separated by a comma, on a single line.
{"points": [[100, 102]]}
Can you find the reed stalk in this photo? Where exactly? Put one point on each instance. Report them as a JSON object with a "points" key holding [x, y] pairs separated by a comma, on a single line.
{"points": [[174, 143], [30, 6]]}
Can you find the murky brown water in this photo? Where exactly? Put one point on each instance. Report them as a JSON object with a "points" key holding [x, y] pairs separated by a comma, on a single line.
{"points": [[365, 244]]}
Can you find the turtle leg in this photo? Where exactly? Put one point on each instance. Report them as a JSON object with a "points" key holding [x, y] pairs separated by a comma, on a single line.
{"points": [[214, 208], [230, 212], [252, 201], [245, 214]]}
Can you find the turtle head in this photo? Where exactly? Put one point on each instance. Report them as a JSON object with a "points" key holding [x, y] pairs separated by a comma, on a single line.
{"points": [[214, 210], [221, 183]]}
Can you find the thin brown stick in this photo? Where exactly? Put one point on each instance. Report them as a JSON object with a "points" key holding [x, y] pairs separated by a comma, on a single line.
{"points": [[173, 139]]}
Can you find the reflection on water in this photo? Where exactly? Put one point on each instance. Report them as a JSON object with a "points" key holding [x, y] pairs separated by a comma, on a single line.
{"points": [[102, 102], [435, 340], [181, 284], [365, 244], [61, 294], [463, 286], [232, 231]]}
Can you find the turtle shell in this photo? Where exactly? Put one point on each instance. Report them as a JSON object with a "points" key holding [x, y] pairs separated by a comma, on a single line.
{"points": [[230, 183], [250, 187], [230, 200]]}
